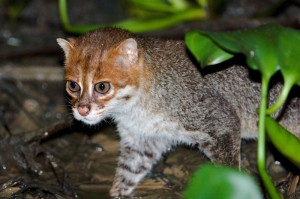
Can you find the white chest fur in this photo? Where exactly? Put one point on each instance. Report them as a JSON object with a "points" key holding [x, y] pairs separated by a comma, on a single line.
{"points": [[139, 121]]}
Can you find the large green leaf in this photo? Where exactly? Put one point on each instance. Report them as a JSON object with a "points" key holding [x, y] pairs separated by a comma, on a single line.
{"points": [[258, 45], [285, 142], [269, 48], [205, 50], [216, 182], [288, 53]]}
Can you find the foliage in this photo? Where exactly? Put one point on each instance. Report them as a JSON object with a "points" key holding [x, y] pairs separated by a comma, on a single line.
{"points": [[155, 15], [283, 140], [149, 15], [159, 8], [218, 182], [269, 49]]}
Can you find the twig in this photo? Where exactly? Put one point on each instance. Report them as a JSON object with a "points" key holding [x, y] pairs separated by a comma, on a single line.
{"points": [[46, 133]]}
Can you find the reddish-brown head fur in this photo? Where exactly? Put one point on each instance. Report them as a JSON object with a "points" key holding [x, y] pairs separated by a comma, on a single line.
{"points": [[107, 55]]}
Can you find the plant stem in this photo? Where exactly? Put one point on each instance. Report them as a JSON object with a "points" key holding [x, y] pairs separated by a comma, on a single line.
{"points": [[261, 147], [288, 84], [63, 13]]}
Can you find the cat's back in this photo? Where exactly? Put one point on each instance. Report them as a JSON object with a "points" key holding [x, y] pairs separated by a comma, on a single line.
{"points": [[186, 92], [178, 88]]}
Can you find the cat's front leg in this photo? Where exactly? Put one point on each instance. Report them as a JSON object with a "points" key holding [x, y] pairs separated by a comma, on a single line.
{"points": [[137, 157]]}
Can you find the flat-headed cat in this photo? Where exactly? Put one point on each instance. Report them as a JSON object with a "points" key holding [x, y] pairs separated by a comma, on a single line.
{"points": [[159, 99]]}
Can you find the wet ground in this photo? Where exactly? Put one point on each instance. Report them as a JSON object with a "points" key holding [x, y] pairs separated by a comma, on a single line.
{"points": [[70, 159], [45, 154]]}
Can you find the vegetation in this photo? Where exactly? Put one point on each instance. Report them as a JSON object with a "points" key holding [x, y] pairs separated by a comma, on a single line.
{"points": [[221, 182], [269, 49], [148, 15]]}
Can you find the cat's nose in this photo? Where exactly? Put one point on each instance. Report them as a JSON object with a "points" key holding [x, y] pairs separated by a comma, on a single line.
{"points": [[84, 109]]}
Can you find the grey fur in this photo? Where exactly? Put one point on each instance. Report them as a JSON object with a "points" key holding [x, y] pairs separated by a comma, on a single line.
{"points": [[181, 104]]}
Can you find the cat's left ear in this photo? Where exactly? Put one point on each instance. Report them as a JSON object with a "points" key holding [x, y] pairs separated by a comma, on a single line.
{"points": [[65, 45], [127, 53]]}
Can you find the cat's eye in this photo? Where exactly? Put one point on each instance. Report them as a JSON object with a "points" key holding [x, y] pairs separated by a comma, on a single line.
{"points": [[73, 86], [102, 87]]}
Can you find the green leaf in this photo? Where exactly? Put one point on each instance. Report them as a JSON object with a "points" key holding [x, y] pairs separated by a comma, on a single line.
{"points": [[288, 52], [263, 49], [205, 50], [285, 142], [218, 182], [258, 45], [152, 24], [268, 48], [158, 5], [134, 25]]}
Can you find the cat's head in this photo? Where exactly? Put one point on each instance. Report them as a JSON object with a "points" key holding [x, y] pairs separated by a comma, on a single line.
{"points": [[102, 73]]}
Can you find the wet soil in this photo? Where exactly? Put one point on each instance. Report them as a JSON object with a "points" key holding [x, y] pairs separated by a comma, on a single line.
{"points": [[44, 154]]}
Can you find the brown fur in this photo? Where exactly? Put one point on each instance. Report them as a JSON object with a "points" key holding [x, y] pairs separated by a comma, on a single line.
{"points": [[160, 99]]}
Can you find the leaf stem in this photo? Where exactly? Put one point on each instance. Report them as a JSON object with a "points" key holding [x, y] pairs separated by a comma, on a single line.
{"points": [[63, 13], [288, 84], [261, 147]]}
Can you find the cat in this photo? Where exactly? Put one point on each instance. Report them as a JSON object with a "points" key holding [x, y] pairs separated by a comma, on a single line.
{"points": [[159, 99]]}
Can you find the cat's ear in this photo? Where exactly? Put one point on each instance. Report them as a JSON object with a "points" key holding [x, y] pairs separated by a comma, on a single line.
{"points": [[127, 53], [65, 45]]}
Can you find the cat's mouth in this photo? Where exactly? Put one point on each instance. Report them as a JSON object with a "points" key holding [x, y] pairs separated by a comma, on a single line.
{"points": [[90, 119]]}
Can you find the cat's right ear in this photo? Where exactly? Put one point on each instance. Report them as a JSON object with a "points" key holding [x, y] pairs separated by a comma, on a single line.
{"points": [[65, 45], [127, 53]]}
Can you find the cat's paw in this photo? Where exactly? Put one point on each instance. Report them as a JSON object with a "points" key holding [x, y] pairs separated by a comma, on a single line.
{"points": [[120, 188]]}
